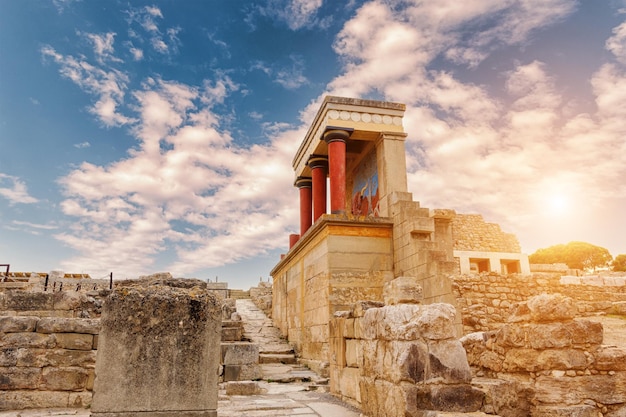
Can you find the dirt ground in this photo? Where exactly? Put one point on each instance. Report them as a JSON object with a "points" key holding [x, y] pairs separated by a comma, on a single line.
{"points": [[614, 329]]}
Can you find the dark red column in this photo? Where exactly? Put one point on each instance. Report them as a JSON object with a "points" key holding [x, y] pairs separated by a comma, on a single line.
{"points": [[304, 184], [319, 172], [336, 140]]}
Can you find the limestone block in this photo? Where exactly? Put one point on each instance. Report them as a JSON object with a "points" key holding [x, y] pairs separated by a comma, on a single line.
{"points": [[10, 324], [80, 399], [65, 325], [68, 300], [349, 383], [242, 372], [361, 307], [619, 308], [572, 411], [8, 357], [159, 351], [447, 360], [352, 352], [436, 321], [243, 388], [16, 378], [64, 379], [505, 398], [411, 362], [231, 334], [610, 358], [451, 398], [551, 307], [74, 341], [19, 400], [55, 357], [402, 290], [240, 353], [605, 389], [30, 339], [25, 301]]}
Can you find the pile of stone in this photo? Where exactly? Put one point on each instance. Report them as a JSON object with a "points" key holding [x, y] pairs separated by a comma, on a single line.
{"points": [[556, 361]]}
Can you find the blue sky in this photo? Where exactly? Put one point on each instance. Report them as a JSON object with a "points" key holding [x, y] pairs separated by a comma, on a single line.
{"points": [[138, 137]]}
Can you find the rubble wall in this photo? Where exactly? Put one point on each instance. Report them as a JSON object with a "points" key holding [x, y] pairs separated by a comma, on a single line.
{"points": [[472, 233], [557, 360], [485, 300], [48, 345]]}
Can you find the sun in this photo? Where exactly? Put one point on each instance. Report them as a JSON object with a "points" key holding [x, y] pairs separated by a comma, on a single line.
{"points": [[558, 204]]}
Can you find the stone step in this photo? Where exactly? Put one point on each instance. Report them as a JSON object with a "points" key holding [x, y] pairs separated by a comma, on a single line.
{"points": [[239, 294], [288, 359]]}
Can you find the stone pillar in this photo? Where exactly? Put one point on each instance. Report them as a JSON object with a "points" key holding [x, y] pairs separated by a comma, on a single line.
{"points": [[391, 160], [306, 210], [158, 351], [319, 172], [336, 140]]}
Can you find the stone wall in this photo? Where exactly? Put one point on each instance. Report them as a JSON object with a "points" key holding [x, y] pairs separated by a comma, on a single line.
{"points": [[485, 300], [556, 362], [400, 360], [472, 233], [48, 347]]}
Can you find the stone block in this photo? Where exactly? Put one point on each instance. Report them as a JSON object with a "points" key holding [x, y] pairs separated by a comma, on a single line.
{"points": [[352, 353], [29, 301], [240, 353], [159, 351], [55, 357], [74, 341], [17, 378], [610, 358], [505, 398], [66, 325], [64, 379], [450, 398], [242, 372], [12, 324], [551, 307], [231, 334], [22, 399], [447, 360], [8, 356], [402, 290], [27, 340], [361, 307], [349, 383], [558, 390], [571, 411], [436, 321], [243, 388]]}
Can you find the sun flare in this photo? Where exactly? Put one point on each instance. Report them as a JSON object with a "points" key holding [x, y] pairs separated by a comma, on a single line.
{"points": [[558, 204]]}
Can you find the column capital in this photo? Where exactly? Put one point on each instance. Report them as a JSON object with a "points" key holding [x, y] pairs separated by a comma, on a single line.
{"points": [[303, 182], [317, 161], [336, 134]]}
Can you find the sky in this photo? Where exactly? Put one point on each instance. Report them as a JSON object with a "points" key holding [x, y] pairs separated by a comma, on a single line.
{"points": [[147, 136]]}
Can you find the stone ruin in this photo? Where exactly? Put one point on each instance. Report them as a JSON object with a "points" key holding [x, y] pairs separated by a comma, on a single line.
{"points": [[408, 311]]}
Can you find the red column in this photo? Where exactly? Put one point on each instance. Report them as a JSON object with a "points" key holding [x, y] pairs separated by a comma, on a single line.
{"points": [[304, 184], [336, 140], [319, 172]]}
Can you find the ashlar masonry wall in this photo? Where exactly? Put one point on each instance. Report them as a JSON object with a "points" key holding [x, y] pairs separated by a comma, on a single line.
{"points": [[48, 345]]}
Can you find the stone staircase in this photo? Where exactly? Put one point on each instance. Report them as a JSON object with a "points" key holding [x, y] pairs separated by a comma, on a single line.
{"points": [[239, 294]]}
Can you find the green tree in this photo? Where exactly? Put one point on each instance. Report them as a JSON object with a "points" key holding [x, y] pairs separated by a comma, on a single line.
{"points": [[577, 255], [619, 263]]}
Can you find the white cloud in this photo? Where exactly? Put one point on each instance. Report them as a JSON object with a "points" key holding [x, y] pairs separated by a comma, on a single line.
{"points": [[148, 19], [108, 85], [296, 14], [290, 77], [35, 225], [103, 46], [13, 189], [82, 145]]}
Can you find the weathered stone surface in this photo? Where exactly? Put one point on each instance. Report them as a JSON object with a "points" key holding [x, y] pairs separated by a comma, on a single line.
{"points": [[361, 307], [240, 353], [455, 398], [16, 378], [16, 324], [447, 360], [402, 290], [30, 339], [605, 389], [242, 372], [8, 356], [616, 411], [242, 388], [551, 307], [24, 301], [65, 325], [74, 341], [159, 350], [611, 358], [505, 398], [64, 379], [55, 357], [572, 411], [21, 399], [436, 321]]}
